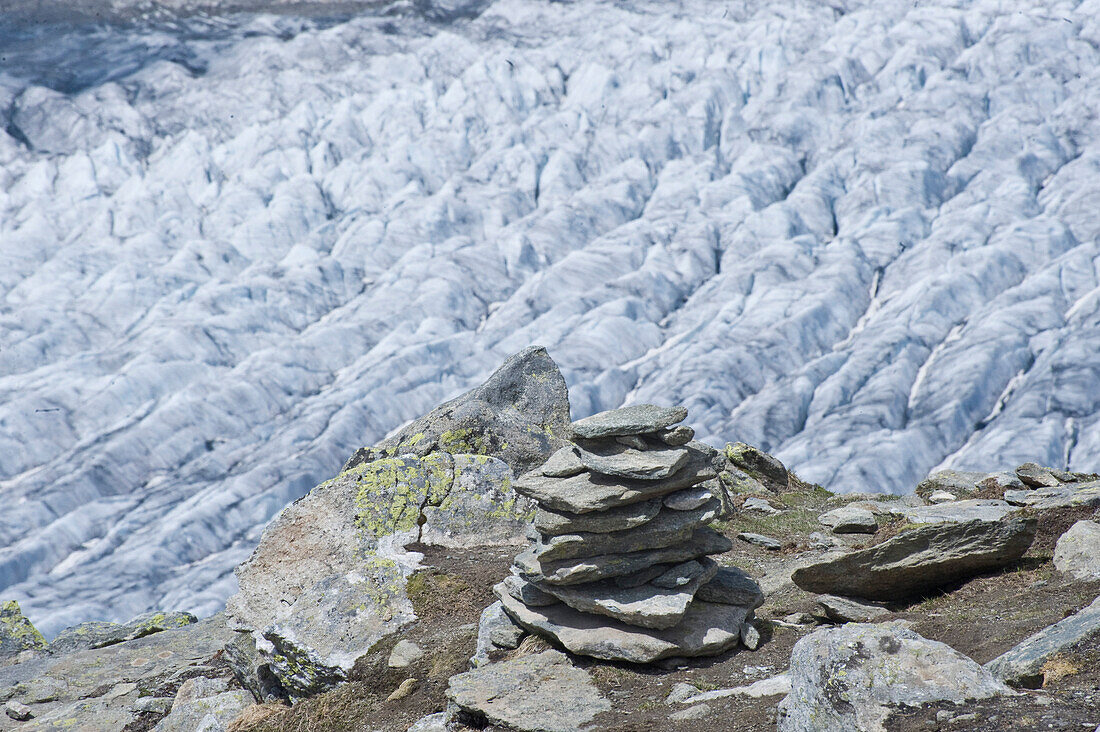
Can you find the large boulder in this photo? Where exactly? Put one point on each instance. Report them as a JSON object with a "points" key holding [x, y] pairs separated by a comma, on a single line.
{"points": [[1023, 665], [920, 559], [99, 634], [850, 677], [327, 580], [519, 415], [1077, 552]]}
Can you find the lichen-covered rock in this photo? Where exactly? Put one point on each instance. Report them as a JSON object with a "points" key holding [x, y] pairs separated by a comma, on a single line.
{"points": [[17, 633], [959, 483], [1077, 552], [205, 713], [759, 465], [327, 580], [520, 415], [849, 677], [98, 634]]}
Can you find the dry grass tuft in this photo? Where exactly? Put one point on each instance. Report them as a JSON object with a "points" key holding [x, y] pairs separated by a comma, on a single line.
{"points": [[254, 715]]}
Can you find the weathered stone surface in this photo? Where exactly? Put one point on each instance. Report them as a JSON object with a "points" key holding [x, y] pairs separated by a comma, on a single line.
{"points": [[18, 712], [960, 483], [1017, 497], [1077, 552], [703, 542], [942, 497], [554, 523], [1037, 476], [685, 573], [96, 689], [773, 686], [1023, 665], [590, 492], [525, 592], [404, 654], [327, 580], [205, 713], [759, 465], [539, 693], [615, 459], [97, 634], [251, 668], [845, 610], [1061, 496], [760, 540], [564, 463], [635, 441], [707, 629], [520, 414], [1002, 481], [637, 419], [676, 436], [17, 633], [647, 606], [759, 505], [432, 723], [495, 630], [849, 677], [974, 509], [750, 636], [849, 520], [732, 586], [665, 529], [921, 558], [689, 498]]}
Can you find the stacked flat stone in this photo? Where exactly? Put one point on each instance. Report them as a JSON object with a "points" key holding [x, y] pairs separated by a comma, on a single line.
{"points": [[619, 567]]}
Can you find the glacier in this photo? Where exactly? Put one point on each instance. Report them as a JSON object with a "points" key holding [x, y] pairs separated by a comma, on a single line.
{"points": [[861, 234]]}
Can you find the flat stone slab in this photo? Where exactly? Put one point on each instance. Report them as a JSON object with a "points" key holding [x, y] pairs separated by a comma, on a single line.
{"points": [[849, 520], [974, 509], [647, 606], [564, 463], [525, 591], [676, 436], [619, 460], [539, 693], [760, 540], [732, 586], [637, 419], [554, 523], [706, 630], [689, 498], [703, 542], [1062, 496], [1077, 552], [846, 610], [1023, 665], [665, 529], [589, 492], [920, 559]]}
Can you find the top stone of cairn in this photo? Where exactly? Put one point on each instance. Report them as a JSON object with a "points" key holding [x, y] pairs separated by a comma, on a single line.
{"points": [[637, 419]]}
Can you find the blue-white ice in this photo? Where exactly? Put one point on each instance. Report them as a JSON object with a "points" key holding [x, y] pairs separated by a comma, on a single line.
{"points": [[864, 235]]}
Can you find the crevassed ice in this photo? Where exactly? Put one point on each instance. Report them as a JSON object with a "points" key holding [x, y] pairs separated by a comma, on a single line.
{"points": [[864, 236]]}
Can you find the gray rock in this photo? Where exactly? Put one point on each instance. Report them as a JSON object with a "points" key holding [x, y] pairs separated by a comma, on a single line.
{"points": [[689, 499], [621, 461], [974, 509], [732, 586], [199, 687], [520, 415], [707, 629], [961, 483], [635, 441], [1062, 496], [850, 677], [525, 592], [1002, 481], [640, 578], [18, 712], [759, 505], [920, 559], [1077, 552], [589, 492], [327, 580], [637, 419], [685, 573], [845, 610], [759, 465], [404, 654], [432, 723], [97, 634], [1023, 665], [564, 463], [553, 523], [699, 711], [251, 668], [676, 436], [529, 694], [205, 714], [849, 520], [942, 497], [760, 540], [646, 606], [17, 633], [703, 542], [153, 705], [665, 529], [750, 636], [1018, 497], [1037, 476]]}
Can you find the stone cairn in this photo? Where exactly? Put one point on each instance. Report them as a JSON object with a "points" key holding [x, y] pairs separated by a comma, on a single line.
{"points": [[619, 566]]}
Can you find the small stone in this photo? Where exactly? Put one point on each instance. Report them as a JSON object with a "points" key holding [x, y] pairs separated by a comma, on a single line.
{"points": [[750, 636], [942, 497], [153, 705], [432, 723], [632, 441], [760, 540], [404, 654], [18, 712], [1077, 552], [957, 482], [206, 713], [845, 610], [1001, 481], [1017, 497], [565, 463], [676, 436], [732, 586], [759, 505], [406, 687], [944, 715], [696, 712], [688, 499], [495, 625], [681, 692], [798, 619], [849, 520], [1036, 475], [759, 465], [633, 420]]}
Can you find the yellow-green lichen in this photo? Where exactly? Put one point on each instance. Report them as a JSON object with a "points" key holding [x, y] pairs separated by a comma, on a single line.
{"points": [[16, 631], [463, 440]]}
